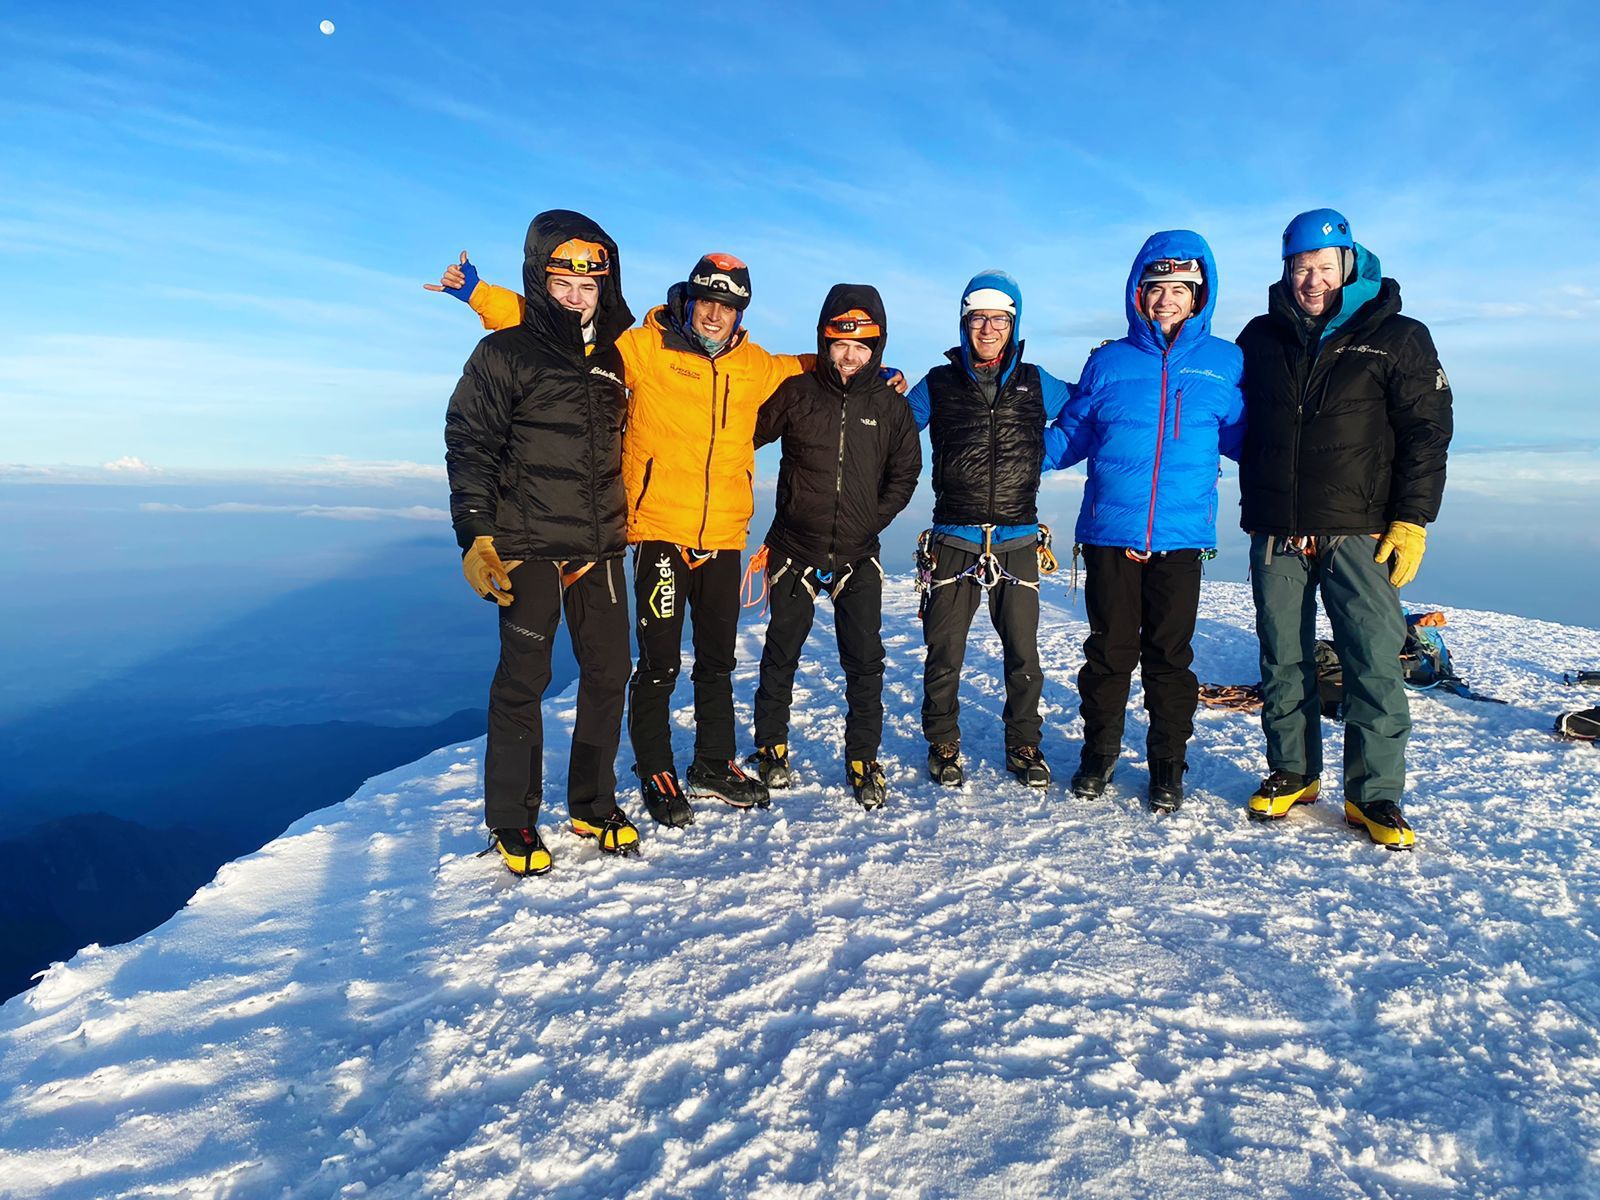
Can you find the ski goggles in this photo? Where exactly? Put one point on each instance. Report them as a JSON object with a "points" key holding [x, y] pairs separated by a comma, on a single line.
{"points": [[578, 257], [853, 325]]}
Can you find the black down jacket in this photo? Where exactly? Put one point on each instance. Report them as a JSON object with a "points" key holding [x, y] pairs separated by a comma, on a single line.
{"points": [[986, 457], [533, 435], [1345, 438], [851, 455]]}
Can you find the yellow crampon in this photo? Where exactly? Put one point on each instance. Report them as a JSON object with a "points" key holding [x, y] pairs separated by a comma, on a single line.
{"points": [[615, 835], [1383, 821], [1274, 799]]}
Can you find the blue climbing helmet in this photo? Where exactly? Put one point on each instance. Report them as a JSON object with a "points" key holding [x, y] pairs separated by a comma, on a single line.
{"points": [[1319, 229]]}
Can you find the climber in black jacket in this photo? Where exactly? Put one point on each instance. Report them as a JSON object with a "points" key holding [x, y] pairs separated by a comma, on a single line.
{"points": [[851, 457], [533, 441]]}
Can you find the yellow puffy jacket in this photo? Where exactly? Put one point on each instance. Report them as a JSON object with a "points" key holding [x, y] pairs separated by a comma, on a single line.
{"points": [[688, 453]]}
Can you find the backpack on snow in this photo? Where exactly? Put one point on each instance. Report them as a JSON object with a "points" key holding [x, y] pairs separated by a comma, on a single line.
{"points": [[1424, 662], [1580, 726]]}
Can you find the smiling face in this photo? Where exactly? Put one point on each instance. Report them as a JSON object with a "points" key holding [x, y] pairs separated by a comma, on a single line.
{"points": [[714, 320], [989, 330], [577, 293], [848, 357], [1316, 278], [1167, 304]]}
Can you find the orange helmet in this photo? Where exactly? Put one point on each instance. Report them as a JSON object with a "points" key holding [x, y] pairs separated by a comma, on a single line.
{"points": [[855, 325], [578, 257]]}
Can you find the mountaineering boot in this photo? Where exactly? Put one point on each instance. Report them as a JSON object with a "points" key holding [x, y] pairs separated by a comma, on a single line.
{"points": [[522, 851], [664, 799], [1028, 765], [726, 781], [944, 764], [1281, 791], [1166, 784], [1383, 821], [615, 834], [772, 764], [1093, 775], [869, 782]]}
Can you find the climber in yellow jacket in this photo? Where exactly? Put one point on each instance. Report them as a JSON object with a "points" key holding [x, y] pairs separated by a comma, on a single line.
{"points": [[697, 381]]}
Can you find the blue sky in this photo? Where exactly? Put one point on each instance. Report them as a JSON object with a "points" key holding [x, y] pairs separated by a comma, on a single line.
{"points": [[216, 219]]}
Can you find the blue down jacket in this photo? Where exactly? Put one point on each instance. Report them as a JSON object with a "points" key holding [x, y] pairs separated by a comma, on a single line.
{"points": [[1153, 421]]}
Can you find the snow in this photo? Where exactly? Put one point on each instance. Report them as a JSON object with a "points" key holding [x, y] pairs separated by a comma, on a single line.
{"points": [[988, 992]]}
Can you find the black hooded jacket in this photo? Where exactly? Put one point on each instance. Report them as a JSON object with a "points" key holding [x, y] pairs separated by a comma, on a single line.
{"points": [[533, 435], [987, 453], [851, 455], [1344, 437]]}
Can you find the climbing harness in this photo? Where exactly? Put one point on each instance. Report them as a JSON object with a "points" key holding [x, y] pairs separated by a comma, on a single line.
{"points": [[987, 571]]}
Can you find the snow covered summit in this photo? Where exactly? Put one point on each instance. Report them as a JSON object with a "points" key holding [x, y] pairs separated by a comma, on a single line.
{"points": [[989, 992]]}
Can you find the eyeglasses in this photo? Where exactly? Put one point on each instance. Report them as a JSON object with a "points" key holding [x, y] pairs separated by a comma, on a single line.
{"points": [[979, 320], [1173, 266]]}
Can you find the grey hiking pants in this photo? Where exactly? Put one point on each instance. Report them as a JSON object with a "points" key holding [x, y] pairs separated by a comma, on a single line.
{"points": [[1368, 632]]}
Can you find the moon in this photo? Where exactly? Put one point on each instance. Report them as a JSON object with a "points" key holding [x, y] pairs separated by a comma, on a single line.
{"points": [[327, 28]]}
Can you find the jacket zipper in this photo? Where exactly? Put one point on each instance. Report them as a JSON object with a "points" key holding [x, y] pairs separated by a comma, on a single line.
{"points": [[644, 486], [1177, 418], [838, 479], [726, 382], [594, 503], [1155, 470], [992, 452], [705, 501]]}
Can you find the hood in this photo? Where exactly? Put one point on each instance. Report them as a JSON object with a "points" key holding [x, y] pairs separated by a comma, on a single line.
{"points": [[1368, 286], [1364, 287], [1171, 243], [842, 297], [541, 313], [1000, 281]]}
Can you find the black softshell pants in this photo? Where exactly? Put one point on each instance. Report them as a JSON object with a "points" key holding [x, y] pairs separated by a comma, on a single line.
{"points": [[947, 620], [1140, 615], [664, 586], [596, 608], [858, 625]]}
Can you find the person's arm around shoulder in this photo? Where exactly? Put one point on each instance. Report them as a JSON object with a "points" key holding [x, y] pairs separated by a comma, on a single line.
{"points": [[920, 401], [1230, 422], [903, 466], [1057, 398], [1072, 436], [772, 420], [497, 307]]}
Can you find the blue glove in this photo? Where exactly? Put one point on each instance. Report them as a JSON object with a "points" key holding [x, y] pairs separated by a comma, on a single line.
{"points": [[464, 292], [887, 373]]}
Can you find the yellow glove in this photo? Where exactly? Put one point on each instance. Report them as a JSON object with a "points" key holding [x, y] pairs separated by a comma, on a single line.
{"points": [[1404, 542], [489, 577]]}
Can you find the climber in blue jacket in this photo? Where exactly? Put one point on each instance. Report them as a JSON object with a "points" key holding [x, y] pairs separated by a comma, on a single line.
{"points": [[1153, 413]]}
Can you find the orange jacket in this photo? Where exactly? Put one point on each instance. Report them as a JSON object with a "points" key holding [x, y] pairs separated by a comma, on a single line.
{"points": [[688, 453]]}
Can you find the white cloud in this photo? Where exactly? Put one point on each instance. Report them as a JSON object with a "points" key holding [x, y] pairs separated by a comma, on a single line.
{"points": [[131, 464], [330, 512]]}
